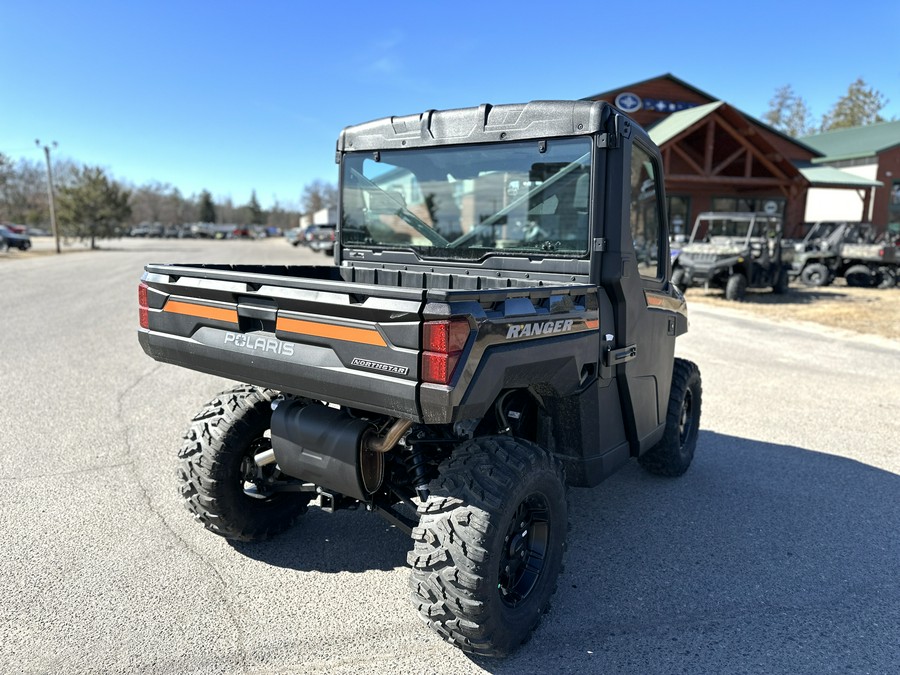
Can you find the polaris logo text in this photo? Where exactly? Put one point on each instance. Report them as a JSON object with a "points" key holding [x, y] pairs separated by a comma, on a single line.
{"points": [[518, 330], [383, 367], [260, 344]]}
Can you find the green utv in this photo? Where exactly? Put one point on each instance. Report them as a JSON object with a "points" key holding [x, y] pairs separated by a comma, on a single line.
{"points": [[734, 252], [845, 249], [487, 337]]}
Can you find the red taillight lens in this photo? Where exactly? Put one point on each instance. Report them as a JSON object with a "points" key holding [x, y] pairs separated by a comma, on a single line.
{"points": [[445, 336], [438, 368], [443, 342], [143, 305]]}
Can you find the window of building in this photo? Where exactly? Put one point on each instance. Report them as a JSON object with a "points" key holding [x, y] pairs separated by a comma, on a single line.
{"points": [[679, 212], [645, 212], [894, 205], [772, 206]]}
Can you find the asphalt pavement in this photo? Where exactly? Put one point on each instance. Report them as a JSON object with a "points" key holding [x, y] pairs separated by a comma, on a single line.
{"points": [[778, 551]]}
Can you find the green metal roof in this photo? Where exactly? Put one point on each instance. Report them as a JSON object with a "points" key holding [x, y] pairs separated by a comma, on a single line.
{"points": [[669, 127], [828, 176], [864, 141]]}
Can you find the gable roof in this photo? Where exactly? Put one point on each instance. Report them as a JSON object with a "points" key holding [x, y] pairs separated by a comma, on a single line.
{"points": [[682, 116], [668, 128], [665, 76], [858, 142]]}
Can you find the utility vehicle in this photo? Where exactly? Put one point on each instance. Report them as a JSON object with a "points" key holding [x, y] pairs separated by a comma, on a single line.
{"points": [[734, 252], [845, 249], [488, 336]]}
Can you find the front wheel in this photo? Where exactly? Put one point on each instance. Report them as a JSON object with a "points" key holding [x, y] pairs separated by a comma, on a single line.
{"points": [[815, 274], [220, 482], [736, 287], [674, 453], [489, 546]]}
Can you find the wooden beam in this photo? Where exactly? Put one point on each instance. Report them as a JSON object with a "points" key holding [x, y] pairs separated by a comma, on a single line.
{"points": [[743, 141], [733, 156], [727, 180], [710, 147], [687, 158]]}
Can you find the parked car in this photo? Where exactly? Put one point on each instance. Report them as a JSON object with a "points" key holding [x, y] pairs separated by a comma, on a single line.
{"points": [[321, 238], [294, 236], [10, 239]]}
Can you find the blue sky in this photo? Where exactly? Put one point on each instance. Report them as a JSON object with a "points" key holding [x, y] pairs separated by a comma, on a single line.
{"points": [[236, 96]]}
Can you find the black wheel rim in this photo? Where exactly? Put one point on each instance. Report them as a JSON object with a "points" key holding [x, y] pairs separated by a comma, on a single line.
{"points": [[686, 420], [524, 550]]}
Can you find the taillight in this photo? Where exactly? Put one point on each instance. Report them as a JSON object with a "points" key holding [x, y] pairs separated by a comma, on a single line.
{"points": [[143, 305], [443, 342]]}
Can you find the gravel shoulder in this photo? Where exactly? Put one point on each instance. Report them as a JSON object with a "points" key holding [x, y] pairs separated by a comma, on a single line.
{"points": [[869, 311]]}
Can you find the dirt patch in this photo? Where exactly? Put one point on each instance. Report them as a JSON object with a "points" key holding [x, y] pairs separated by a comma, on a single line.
{"points": [[863, 310]]}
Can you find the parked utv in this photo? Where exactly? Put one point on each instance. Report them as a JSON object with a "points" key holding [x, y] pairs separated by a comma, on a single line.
{"points": [[734, 252], [845, 249], [489, 336]]}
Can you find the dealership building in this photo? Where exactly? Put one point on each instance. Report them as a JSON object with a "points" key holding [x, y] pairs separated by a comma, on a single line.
{"points": [[718, 158]]}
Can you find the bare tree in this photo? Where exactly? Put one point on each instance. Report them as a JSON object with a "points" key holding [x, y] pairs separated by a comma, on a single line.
{"points": [[318, 195], [789, 113]]}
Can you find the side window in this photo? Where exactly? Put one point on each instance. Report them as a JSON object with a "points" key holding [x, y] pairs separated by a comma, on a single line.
{"points": [[645, 210]]}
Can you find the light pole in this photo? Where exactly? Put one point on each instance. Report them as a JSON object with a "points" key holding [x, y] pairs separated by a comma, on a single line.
{"points": [[53, 227]]}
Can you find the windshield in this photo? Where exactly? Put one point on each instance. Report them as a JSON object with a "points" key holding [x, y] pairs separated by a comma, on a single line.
{"points": [[468, 202], [723, 227]]}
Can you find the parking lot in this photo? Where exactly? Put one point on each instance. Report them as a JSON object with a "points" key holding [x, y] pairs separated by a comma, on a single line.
{"points": [[776, 552]]}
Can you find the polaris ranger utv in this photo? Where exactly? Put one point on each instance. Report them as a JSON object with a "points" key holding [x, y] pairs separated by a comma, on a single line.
{"points": [[487, 337], [734, 252], [848, 250]]}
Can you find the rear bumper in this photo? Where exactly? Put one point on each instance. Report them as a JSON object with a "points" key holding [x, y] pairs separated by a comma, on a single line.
{"points": [[304, 370]]}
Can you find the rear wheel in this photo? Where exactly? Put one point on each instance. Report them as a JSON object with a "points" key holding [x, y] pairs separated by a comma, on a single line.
{"points": [[780, 287], [489, 546], [220, 482], [674, 453], [886, 278], [859, 276], [736, 287]]}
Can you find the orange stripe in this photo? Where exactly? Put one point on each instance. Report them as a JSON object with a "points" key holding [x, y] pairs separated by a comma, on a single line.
{"points": [[592, 323], [201, 311], [365, 336]]}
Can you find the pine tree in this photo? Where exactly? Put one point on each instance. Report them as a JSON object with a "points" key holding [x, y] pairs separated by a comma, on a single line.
{"points": [[257, 217], [93, 206], [861, 105], [207, 208]]}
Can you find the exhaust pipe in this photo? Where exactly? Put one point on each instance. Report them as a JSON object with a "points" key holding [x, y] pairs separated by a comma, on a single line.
{"points": [[390, 439], [328, 447]]}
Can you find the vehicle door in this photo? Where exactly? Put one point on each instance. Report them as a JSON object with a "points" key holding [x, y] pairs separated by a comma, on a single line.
{"points": [[635, 269]]}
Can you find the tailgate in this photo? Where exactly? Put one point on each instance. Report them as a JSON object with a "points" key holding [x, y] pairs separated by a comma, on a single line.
{"points": [[321, 337]]}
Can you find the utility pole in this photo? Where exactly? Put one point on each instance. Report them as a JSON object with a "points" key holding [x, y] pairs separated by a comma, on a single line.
{"points": [[53, 227]]}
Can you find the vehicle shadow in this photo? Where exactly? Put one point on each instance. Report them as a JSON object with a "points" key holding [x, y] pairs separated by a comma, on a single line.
{"points": [[795, 295], [762, 558], [346, 541]]}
